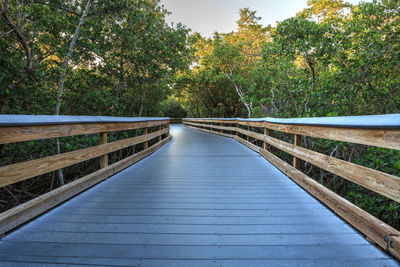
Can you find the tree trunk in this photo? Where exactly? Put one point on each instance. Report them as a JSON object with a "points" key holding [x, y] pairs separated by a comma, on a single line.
{"points": [[249, 106], [62, 78], [67, 58]]}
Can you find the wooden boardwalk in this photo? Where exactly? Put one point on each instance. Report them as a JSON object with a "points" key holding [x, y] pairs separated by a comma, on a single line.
{"points": [[201, 200]]}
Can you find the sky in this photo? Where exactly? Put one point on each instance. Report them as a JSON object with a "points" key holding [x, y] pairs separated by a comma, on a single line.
{"points": [[208, 16]]}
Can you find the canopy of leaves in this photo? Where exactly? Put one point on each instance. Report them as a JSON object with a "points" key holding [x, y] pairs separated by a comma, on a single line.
{"points": [[123, 63], [330, 59]]}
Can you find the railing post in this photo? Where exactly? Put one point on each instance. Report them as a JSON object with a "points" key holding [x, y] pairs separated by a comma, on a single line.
{"points": [[236, 128], [266, 133], [104, 158], [297, 142], [146, 132], [248, 129], [160, 128]]}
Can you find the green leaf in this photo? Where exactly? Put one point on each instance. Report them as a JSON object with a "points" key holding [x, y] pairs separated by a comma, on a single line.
{"points": [[397, 165]]}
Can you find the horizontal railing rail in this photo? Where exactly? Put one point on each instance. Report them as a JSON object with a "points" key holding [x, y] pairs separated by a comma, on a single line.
{"points": [[379, 131], [175, 120], [20, 128]]}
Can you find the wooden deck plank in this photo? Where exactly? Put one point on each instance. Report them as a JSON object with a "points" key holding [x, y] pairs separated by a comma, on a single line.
{"points": [[194, 239], [186, 252], [201, 200], [103, 261]]}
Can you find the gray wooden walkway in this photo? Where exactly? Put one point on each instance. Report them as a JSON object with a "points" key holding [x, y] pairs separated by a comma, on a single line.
{"points": [[201, 200]]}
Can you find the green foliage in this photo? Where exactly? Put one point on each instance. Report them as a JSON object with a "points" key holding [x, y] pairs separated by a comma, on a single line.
{"points": [[382, 159], [332, 59], [124, 60], [375, 204], [218, 83], [385, 160], [172, 108], [123, 64]]}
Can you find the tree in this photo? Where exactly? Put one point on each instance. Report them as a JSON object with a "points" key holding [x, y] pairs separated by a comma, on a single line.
{"points": [[67, 58], [62, 78], [172, 108], [225, 62], [28, 70], [121, 62]]}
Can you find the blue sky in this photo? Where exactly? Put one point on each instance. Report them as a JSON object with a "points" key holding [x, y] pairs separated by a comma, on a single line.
{"points": [[208, 16]]}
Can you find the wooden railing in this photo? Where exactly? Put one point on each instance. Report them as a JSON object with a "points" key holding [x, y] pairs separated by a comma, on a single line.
{"points": [[14, 128], [380, 131], [175, 120]]}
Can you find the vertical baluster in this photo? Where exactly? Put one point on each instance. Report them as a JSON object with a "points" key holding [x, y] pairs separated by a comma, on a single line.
{"points": [[266, 133], [236, 129], [297, 161], [104, 158], [160, 128], [146, 132]]}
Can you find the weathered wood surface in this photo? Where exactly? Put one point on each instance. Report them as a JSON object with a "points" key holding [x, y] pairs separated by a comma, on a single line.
{"points": [[175, 120], [11, 134], [25, 212], [226, 121], [387, 121], [211, 131], [20, 171], [296, 160], [266, 133], [104, 158], [201, 200], [225, 128], [373, 137], [383, 183], [366, 223], [31, 120], [146, 132], [388, 185], [247, 143]]}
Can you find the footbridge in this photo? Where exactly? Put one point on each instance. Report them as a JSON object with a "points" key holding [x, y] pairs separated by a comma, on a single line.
{"points": [[207, 192]]}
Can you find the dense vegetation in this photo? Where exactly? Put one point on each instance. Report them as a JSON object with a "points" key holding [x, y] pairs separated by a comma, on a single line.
{"points": [[123, 62], [119, 59], [331, 59]]}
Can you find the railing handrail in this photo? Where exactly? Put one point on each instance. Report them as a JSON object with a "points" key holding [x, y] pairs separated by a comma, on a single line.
{"points": [[386, 121], [20, 128], [30, 120], [385, 134]]}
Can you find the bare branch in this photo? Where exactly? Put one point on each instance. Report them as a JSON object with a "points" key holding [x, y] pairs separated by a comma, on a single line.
{"points": [[63, 9], [21, 38], [62, 78], [5, 33], [12, 195], [249, 106], [67, 58]]}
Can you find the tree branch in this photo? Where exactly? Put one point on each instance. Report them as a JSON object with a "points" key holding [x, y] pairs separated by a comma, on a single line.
{"points": [[62, 78], [21, 38], [58, 8], [69, 54], [5, 33]]}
